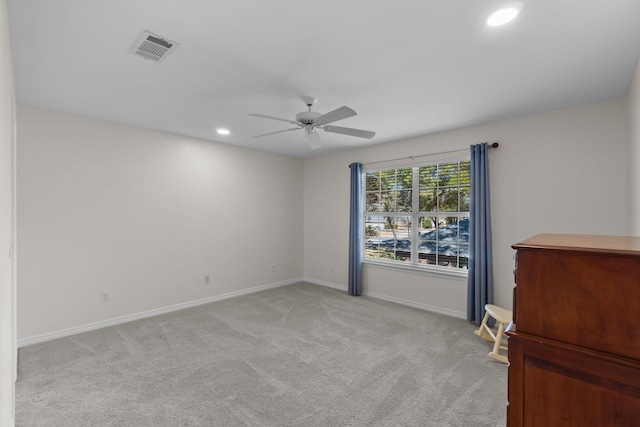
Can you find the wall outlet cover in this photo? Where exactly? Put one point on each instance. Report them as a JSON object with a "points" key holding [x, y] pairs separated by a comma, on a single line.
{"points": [[104, 296]]}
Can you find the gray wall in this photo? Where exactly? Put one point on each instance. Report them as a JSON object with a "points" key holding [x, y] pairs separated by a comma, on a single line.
{"points": [[144, 215], [561, 171], [7, 344]]}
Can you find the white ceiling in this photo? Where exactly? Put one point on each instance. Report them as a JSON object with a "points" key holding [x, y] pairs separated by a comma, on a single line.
{"points": [[408, 67]]}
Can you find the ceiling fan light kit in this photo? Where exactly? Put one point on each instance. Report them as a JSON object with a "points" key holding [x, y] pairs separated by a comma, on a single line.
{"points": [[312, 120]]}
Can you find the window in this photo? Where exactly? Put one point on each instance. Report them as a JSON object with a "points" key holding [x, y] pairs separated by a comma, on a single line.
{"points": [[418, 216]]}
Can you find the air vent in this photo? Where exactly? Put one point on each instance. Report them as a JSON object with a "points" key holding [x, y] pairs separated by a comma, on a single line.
{"points": [[154, 47]]}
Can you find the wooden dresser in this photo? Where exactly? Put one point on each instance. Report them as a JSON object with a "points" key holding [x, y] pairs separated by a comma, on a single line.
{"points": [[574, 356]]}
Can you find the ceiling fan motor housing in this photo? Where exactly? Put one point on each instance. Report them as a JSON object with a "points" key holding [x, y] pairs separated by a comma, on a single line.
{"points": [[307, 117]]}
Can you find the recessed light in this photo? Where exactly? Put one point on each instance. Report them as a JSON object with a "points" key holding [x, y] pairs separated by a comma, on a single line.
{"points": [[223, 131], [504, 15]]}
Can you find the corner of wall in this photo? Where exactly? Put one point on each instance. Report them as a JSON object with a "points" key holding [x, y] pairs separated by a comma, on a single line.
{"points": [[7, 284], [633, 155]]}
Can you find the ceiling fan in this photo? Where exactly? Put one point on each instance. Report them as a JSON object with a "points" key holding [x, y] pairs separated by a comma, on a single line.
{"points": [[310, 121]]}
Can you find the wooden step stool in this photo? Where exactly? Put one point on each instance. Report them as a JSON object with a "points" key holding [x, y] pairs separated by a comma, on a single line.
{"points": [[503, 318]]}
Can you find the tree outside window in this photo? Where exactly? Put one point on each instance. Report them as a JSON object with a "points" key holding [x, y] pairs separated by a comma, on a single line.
{"points": [[418, 215]]}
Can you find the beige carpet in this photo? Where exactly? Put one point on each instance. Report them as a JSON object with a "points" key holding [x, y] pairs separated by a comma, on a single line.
{"points": [[298, 355]]}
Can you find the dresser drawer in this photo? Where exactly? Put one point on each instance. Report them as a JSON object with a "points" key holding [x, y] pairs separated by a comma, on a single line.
{"points": [[582, 298]]}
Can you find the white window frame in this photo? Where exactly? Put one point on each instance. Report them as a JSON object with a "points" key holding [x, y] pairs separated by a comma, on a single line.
{"points": [[415, 214]]}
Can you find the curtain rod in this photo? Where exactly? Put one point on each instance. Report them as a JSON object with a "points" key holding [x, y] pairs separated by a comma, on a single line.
{"points": [[493, 145]]}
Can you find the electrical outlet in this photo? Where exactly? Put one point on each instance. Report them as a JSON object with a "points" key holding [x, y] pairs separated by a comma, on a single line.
{"points": [[273, 268], [207, 279], [104, 296]]}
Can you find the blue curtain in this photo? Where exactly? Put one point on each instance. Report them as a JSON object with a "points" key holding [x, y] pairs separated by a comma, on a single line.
{"points": [[355, 231], [480, 286]]}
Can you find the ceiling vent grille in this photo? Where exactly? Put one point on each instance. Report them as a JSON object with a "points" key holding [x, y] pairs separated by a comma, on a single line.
{"points": [[154, 47]]}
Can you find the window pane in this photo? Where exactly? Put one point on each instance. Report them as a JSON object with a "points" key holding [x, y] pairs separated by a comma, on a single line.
{"points": [[428, 176], [387, 201], [448, 199], [403, 201], [463, 261], [372, 202], [428, 200], [387, 179], [394, 239], [404, 179], [447, 255], [375, 222], [448, 243], [465, 173], [447, 174], [465, 197], [427, 242], [372, 248], [373, 181], [427, 224], [401, 238], [463, 244], [463, 233], [372, 227], [444, 241]]}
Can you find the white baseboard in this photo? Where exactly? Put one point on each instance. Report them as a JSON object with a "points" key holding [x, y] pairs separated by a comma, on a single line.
{"points": [[426, 307], [162, 310], [326, 284], [136, 316]]}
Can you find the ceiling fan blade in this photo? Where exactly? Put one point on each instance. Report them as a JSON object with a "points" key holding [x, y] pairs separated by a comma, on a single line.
{"points": [[262, 116], [350, 131], [314, 139], [333, 116], [273, 133]]}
